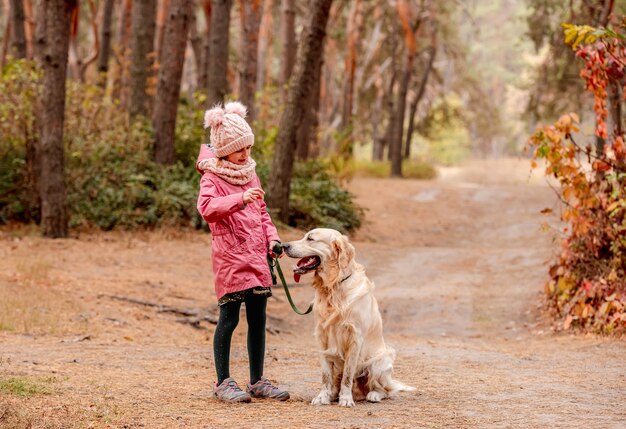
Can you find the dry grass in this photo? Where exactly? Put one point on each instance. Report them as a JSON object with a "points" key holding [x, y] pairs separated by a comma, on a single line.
{"points": [[31, 303]]}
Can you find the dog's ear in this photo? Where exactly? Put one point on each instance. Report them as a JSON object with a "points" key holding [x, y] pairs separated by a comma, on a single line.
{"points": [[344, 251]]}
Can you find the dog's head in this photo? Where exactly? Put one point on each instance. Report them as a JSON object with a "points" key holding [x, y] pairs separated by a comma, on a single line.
{"points": [[321, 250]]}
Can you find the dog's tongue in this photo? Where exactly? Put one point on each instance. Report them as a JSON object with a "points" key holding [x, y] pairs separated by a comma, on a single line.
{"points": [[296, 277]]}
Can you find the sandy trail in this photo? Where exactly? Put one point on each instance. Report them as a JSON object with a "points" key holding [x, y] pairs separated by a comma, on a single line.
{"points": [[459, 264]]}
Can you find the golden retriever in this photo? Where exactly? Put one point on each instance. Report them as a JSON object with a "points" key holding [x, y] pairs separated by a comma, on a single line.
{"points": [[356, 362]]}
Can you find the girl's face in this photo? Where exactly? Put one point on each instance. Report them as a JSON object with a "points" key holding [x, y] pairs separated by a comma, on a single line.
{"points": [[240, 157]]}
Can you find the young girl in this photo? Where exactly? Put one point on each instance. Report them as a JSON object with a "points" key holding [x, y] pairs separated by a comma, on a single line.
{"points": [[231, 202]]}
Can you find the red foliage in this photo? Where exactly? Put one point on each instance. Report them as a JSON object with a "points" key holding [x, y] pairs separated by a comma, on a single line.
{"points": [[587, 284]]}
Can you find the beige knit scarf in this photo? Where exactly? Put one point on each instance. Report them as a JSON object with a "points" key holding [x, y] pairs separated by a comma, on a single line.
{"points": [[234, 174]]}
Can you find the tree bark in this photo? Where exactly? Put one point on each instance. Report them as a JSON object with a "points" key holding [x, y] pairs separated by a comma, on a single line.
{"points": [[288, 36], [195, 39], [170, 73], [350, 70], [383, 142], [418, 96], [249, 50], [29, 28], [33, 145], [40, 30], [163, 6], [54, 220], [302, 82], [105, 41], [203, 78], [6, 38], [142, 54], [307, 130], [18, 35], [119, 76], [377, 110], [264, 42], [218, 67], [395, 145], [75, 62], [96, 38]]}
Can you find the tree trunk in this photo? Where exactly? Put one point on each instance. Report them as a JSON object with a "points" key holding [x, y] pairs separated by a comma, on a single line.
{"points": [[395, 145], [54, 220], [348, 88], [75, 62], [29, 28], [418, 96], [119, 76], [377, 115], [288, 36], [218, 67], [18, 36], [308, 128], [40, 30], [382, 143], [105, 41], [203, 78], [33, 144], [302, 83], [249, 50], [170, 73], [195, 39], [6, 38], [265, 57], [264, 41], [142, 54], [163, 6]]}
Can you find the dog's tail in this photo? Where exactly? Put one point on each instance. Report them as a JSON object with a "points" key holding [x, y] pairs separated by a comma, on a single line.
{"points": [[398, 386]]}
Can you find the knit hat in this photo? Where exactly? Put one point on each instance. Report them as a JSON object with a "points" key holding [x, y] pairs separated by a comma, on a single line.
{"points": [[229, 130]]}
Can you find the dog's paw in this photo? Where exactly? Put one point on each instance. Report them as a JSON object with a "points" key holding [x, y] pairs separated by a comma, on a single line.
{"points": [[321, 399], [346, 401], [375, 396]]}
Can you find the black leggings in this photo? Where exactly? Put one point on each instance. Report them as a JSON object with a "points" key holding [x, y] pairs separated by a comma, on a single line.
{"points": [[229, 318]]}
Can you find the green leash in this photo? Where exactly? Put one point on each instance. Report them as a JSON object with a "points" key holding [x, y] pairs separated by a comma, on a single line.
{"points": [[273, 263]]}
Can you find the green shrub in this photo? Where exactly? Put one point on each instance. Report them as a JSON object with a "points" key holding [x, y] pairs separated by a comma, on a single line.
{"points": [[19, 93], [111, 179], [316, 200]]}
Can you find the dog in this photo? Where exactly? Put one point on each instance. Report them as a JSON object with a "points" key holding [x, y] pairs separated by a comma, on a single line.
{"points": [[356, 362]]}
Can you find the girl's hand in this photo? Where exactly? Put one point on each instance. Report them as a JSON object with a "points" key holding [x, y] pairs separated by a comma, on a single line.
{"points": [[253, 194], [271, 249]]}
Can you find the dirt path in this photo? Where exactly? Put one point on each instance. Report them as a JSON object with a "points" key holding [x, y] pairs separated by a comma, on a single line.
{"points": [[459, 265]]}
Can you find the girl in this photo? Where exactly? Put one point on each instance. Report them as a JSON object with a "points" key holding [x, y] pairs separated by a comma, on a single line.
{"points": [[231, 202]]}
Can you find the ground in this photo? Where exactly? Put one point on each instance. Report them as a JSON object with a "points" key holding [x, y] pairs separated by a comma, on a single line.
{"points": [[459, 265]]}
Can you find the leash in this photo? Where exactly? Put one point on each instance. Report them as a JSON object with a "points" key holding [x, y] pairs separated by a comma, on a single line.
{"points": [[273, 263]]}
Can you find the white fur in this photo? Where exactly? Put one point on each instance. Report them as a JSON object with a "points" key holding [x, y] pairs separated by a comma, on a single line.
{"points": [[348, 325]]}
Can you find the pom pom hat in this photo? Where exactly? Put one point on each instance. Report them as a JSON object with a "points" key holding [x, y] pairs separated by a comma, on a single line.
{"points": [[229, 130]]}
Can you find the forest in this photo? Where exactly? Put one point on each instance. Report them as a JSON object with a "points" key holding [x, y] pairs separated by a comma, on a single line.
{"points": [[472, 150]]}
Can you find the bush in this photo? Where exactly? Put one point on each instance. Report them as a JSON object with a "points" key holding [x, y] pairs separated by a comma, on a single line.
{"points": [[112, 181], [587, 286], [317, 200], [19, 93]]}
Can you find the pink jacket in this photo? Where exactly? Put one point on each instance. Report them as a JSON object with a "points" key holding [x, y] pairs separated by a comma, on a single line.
{"points": [[240, 233]]}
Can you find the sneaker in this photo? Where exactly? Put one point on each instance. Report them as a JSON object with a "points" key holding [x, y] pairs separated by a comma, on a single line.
{"points": [[230, 391], [264, 389]]}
